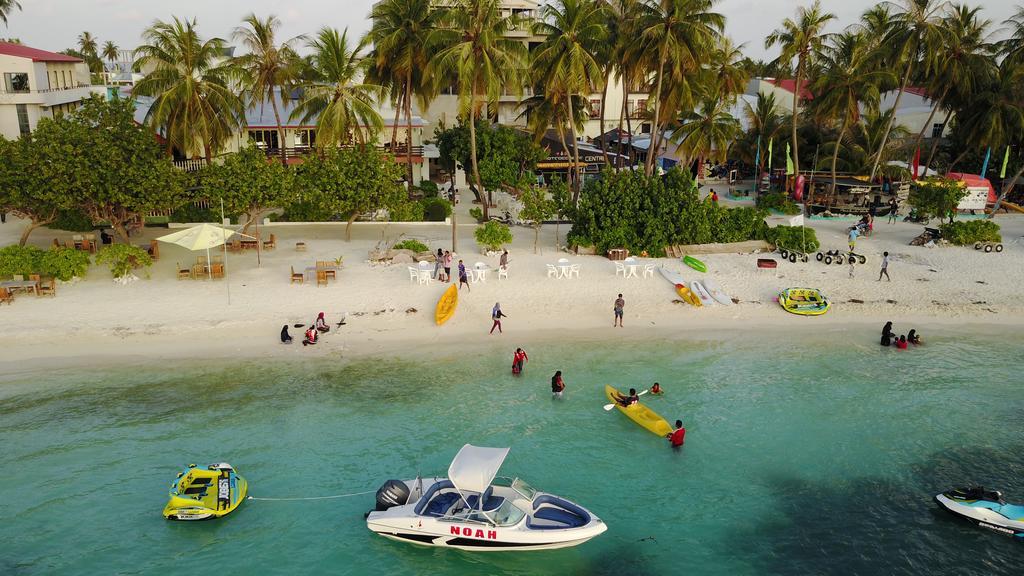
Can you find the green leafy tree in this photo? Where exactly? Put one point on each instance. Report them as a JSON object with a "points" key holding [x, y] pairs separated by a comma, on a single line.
{"points": [[537, 208], [123, 258], [110, 51], [475, 44], [348, 182], [106, 165], [24, 189], [492, 235], [937, 196], [506, 155], [269, 69], [17, 259], [64, 263], [194, 102], [249, 184]]}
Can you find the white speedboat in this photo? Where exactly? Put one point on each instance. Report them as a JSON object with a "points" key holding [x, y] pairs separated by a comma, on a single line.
{"points": [[471, 509], [986, 508]]}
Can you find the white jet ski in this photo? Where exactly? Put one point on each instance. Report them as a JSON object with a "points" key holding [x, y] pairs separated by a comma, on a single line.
{"points": [[986, 508], [472, 510]]}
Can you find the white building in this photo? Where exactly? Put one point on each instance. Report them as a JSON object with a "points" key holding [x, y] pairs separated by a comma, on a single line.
{"points": [[914, 110], [39, 84]]}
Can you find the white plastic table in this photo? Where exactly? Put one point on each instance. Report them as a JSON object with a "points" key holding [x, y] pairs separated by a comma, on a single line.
{"points": [[632, 265], [563, 267], [479, 272]]}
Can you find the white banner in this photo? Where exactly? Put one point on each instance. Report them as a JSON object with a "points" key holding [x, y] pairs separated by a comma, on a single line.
{"points": [[797, 220]]}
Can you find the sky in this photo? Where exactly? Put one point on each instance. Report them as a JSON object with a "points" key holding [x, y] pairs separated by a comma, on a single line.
{"points": [[56, 24]]}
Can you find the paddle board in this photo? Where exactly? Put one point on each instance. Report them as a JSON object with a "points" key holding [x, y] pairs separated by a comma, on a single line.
{"points": [[701, 292], [672, 276], [716, 292], [677, 280]]}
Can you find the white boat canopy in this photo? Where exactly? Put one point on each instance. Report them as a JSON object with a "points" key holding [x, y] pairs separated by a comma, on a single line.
{"points": [[474, 467]]}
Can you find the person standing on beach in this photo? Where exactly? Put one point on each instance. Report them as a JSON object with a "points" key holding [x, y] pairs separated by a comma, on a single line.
{"points": [[447, 260], [438, 265], [463, 278], [503, 261], [894, 210], [885, 268], [557, 385], [619, 305], [853, 238], [496, 313]]}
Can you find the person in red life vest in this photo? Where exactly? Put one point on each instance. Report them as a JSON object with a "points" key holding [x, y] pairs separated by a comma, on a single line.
{"points": [[311, 336], [902, 343], [518, 359], [714, 197], [656, 389], [557, 385], [678, 437]]}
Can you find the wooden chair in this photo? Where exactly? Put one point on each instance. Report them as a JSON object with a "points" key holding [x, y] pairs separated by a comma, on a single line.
{"points": [[88, 246], [321, 277], [217, 270], [48, 288], [322, 265], [270, 244], [56, 243], [297, 277], [235, 246], [6, 296], [184, 273], [300, 246], [154, 249]]}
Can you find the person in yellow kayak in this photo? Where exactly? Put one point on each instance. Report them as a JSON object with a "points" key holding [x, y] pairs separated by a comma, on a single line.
{"points": [[633, 398]]}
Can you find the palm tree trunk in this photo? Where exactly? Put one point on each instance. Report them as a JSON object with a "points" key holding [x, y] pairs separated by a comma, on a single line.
{"points": [[280, 127], [892, 119], [956, 161], [935, 144], [796, 118], [604, 98], [1007, 188], [622, 114], [652, 149], [394, 126], [920, 135], [629, 137], [835, 153], [472, 150], [575, 155], [408, 126]]}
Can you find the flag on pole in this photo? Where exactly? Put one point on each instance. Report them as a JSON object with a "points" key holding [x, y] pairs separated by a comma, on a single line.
{"points": [[797, 220], [770, 142], [1006, 160], [984, 165], [789, 161], [917, 163], [757, 157]]}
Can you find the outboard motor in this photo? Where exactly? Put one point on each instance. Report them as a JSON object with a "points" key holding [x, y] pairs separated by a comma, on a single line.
{"points": [[392, 493]]}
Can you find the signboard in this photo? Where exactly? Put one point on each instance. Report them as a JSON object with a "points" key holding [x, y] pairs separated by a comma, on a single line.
{"points": [[977, 197]]}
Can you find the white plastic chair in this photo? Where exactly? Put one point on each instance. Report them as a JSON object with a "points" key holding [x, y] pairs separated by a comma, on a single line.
{"points": [[649, 270], [574, 270], [552, 271], [502, 273], [414, 273], [424, 276], [620, 268]]}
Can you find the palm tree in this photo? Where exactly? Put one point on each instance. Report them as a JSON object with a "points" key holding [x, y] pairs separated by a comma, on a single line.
{"points": [[110, 51], [963, 63], [803, 39], [727, 70], [682, 33], [334, 95], [913, 36], [847, 84], [708, 131], [626, 60], [475, 47], [194, 104], [402, 34], [765, 124], [87, 44], [1012, 47], [268, 68], [5, 8], [567, 59]]}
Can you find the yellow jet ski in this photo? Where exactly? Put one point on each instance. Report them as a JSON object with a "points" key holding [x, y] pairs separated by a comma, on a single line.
{"points": [[199, 494]]}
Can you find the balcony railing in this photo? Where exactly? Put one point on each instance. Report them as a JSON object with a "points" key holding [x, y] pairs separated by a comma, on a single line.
{"points": [[44, 90], [303, 151]]}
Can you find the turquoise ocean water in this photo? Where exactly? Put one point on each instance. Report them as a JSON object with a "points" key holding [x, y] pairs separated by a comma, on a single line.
{"points": [[803, 456]]}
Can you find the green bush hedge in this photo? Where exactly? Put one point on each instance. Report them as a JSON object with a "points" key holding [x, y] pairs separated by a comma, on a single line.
{"points": [[793, 238], [410, 244], [407, 212], [777, 201], [428, 188], [19, 260], [59, 262], [436, 209], [492, 235], [123, 258], [477, 213], [971, 231]]}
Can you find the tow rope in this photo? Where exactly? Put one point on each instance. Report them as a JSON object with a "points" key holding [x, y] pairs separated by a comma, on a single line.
{"points": [[313, 497]]}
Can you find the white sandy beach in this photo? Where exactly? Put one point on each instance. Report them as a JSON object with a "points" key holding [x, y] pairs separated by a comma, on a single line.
{"points": [[160, 318]]}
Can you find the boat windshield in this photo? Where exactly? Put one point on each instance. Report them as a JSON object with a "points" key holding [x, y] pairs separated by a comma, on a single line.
{"points": [[507, 514], [524, 489]]}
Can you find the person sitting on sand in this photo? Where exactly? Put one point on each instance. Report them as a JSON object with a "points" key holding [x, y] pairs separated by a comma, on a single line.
{"points": [[679, 436], [286, 338], [311, 336], [656, 389], [557, 385], [321, 323], [902, 343], [913, 337], [633, 398]]}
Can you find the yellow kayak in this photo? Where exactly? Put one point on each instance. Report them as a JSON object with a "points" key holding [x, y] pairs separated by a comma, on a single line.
{"points": [[446, 305], [200, 494], [640, 414], [687, 296]]}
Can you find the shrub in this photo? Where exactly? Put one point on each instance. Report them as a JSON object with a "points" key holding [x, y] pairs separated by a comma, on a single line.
{"points": [[19, 260], [429, 189], [965, 233], [64, 263], [192, 213], [436, 209], [493, 235], [793, 237], [123, 258], [411, 244], [777, 201], [937, 196], [477, 213], [407, 212], [72, 221]]}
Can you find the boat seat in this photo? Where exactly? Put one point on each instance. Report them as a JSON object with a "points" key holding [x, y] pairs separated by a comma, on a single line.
{"points": [[562, 513], [563, 518], [430, 506], [491, 502]]}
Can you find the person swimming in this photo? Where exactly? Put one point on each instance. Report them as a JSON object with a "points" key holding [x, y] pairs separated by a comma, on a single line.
{"points": [[557, 384], [902, 343], [656, 389], [286, 338]]}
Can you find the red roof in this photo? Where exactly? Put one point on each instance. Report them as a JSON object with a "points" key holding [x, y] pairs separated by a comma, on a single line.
{"points": [[917, 91], [34, 54], [790, 86]]}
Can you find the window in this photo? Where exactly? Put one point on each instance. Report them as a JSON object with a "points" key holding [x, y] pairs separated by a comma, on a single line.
{"points": [[264, 139], [637, 108], [64, 79], [645, 129], [23, 125], [305, 138], [595, 108], [16, 81], [937, 130]]}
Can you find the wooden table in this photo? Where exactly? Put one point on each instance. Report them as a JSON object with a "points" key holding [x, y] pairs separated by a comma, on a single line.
{"points": [[21, 285], [311, 271]]}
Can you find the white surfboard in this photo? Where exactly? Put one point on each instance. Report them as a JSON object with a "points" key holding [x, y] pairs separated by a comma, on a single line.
{"points": [[716, 292], [702, 293], [672, 276]]}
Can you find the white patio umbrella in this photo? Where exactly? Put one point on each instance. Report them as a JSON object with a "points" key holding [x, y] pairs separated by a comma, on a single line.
{"points": [[201, 237]]}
